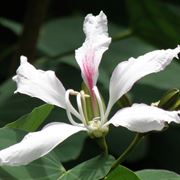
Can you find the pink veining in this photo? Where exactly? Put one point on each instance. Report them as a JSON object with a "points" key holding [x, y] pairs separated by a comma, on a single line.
{"points": [[89, 68]]}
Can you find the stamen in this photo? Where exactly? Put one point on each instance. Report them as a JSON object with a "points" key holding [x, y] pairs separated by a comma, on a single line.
{"points": [[84, 105], [68, 103], [78, 97], [75, 93], [70, 109], [72, 120], [100, 103], [107, 111]]}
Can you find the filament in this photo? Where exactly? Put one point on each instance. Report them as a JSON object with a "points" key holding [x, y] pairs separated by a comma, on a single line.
{"points": [[100, 103], [69, 105], [78, 98], [70, 109]]}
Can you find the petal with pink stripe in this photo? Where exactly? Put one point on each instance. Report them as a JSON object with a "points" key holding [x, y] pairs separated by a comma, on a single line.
{"points": [[97, 41]]}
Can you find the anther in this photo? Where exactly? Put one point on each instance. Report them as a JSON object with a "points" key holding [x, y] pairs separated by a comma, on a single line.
{"points": [[84, 95], [73, 93]]}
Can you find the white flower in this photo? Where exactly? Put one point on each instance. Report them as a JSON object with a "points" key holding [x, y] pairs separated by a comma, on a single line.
{"points": [[45, 86]]}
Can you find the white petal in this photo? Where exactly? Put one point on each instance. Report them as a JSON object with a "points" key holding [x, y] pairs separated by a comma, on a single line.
{"points": [[40, 84], [143, 118], [96, 43], [128, 72], [37, 144]]}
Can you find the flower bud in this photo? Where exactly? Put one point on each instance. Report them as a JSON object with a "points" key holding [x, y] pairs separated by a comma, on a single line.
{"points": [[124, 101], [170, 100]]}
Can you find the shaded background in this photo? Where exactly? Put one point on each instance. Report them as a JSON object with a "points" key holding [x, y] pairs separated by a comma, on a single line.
{"points": [[53, 30]]}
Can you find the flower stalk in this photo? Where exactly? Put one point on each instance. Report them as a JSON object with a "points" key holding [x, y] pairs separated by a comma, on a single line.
{"points": [[102, 144], [138, 137]]}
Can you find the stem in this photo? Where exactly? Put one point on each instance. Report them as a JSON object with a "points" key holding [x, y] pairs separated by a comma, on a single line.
{"points": [[102, 144], [121, 158]]}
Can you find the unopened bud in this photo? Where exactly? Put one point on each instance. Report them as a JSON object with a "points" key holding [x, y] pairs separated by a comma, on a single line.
{"points": [[124, 101], [170, 100]]}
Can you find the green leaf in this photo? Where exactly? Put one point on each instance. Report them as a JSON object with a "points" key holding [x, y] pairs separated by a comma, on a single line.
{"points": [[49, 166], [71, 148], [61, 35], [122, 173], [32, 121], [149, 174], [150, 18], [12, 106], [166, 79], [95, 168], [125, 137], [46, 168], [163, 149], [16, 106], [6, 90], [12, 25]]}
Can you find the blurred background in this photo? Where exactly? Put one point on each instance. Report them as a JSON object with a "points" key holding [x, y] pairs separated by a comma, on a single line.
{"points": [[48, 32]]}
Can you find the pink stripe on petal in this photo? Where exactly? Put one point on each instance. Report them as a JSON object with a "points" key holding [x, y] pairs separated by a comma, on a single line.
{"points": [[89, 69], [97, 41], [89, 73]]}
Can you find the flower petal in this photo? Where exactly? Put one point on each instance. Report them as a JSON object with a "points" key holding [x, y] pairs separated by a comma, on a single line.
{"points": [[128, 72], [40, 84], [37, 144], [143, 118], [96, 43]]}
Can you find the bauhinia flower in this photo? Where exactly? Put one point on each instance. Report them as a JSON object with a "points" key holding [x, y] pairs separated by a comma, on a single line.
{"points": [[45, 86]]}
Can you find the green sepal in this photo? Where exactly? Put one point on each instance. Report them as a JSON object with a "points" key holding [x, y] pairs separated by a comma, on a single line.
{"points": [[124, 101], [170, 100], [176, 105]]}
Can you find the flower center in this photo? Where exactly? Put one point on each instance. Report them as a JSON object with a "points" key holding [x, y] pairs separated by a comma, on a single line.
{"points": [[96, 129], [94, 126]]}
